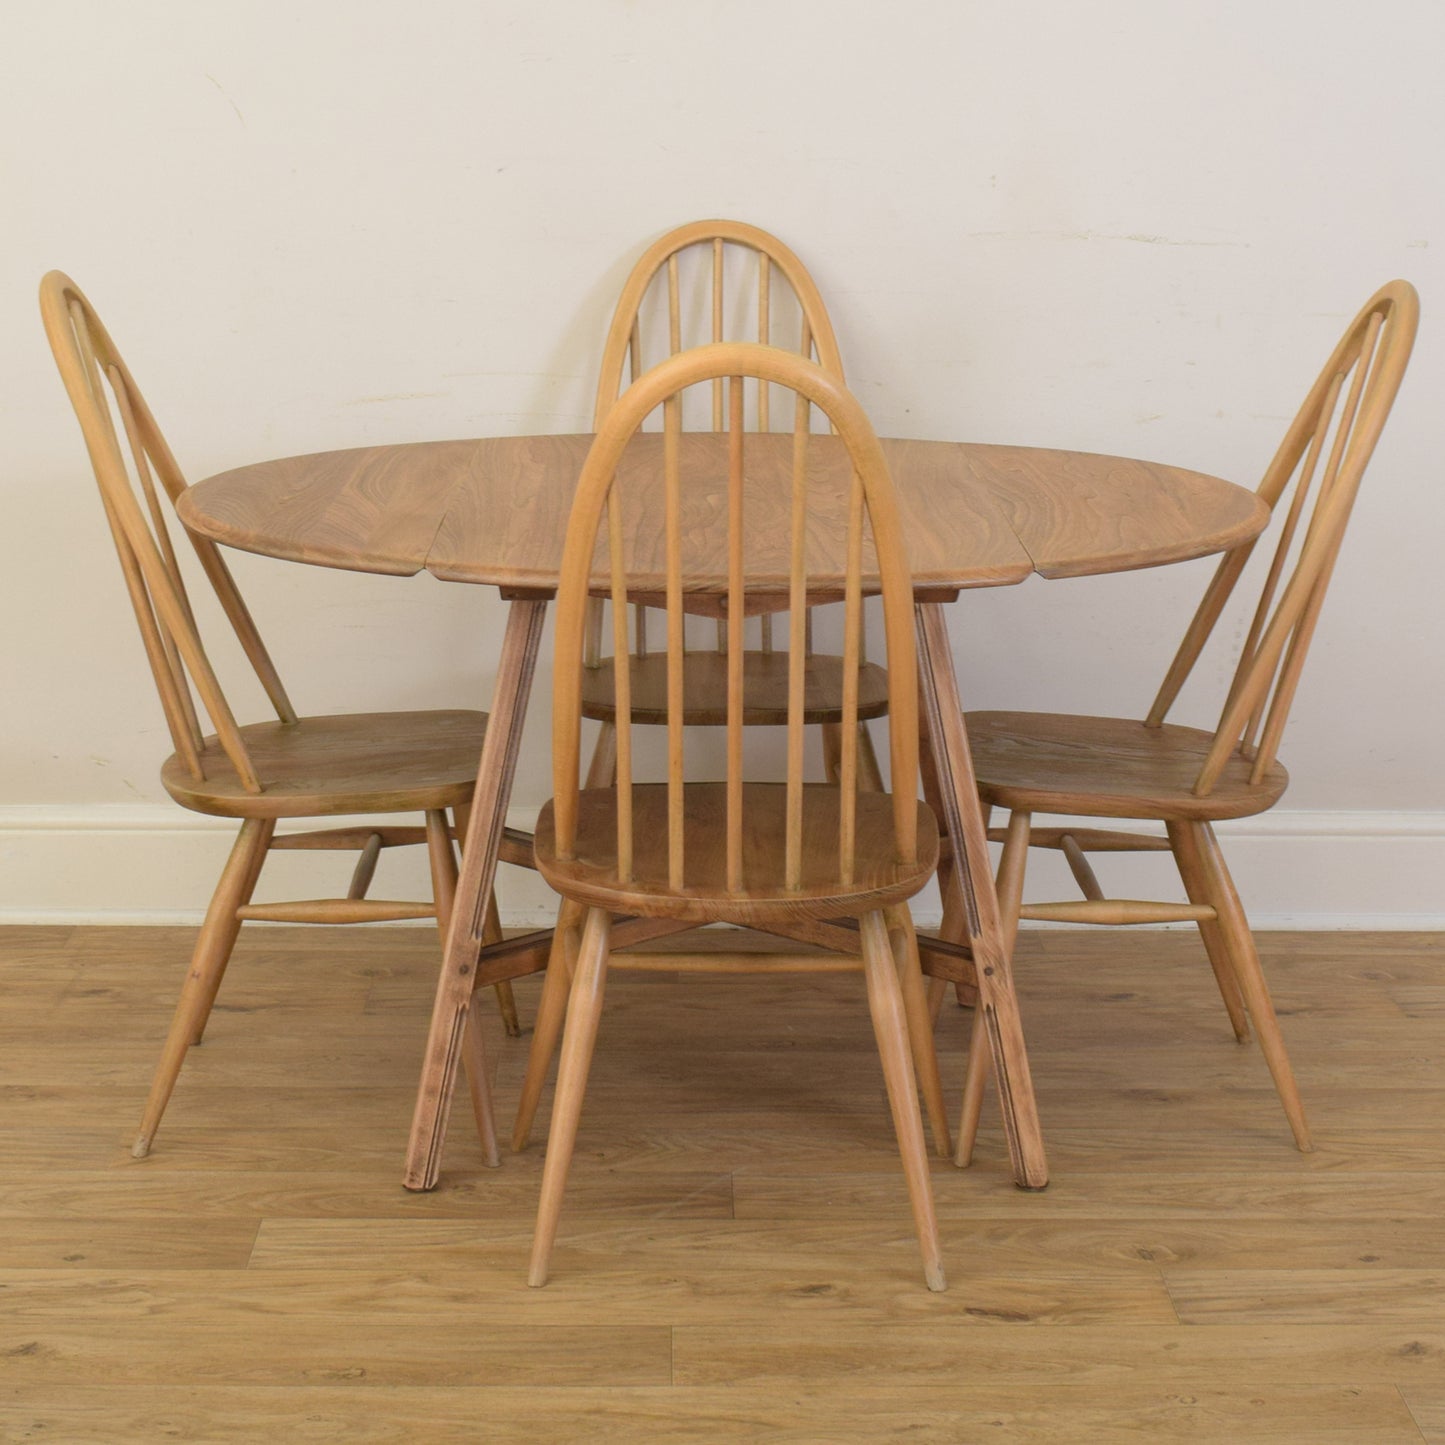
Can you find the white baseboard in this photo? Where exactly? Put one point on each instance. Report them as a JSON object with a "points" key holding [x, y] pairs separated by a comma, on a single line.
{"points": [[149, 863]]}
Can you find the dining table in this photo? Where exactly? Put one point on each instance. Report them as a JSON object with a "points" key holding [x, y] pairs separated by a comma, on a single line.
{"points": [[493, 512]]}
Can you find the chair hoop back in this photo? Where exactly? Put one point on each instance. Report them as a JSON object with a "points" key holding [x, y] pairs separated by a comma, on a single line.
{"points": [[837, 548], [1324, 454], [657, 284], [102, 390], [624, 336]]}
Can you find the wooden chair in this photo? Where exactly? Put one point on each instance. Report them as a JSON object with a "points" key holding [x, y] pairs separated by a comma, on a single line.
{"points": [[295, 767], [745, 279], [1188, 778], [765, 855]]}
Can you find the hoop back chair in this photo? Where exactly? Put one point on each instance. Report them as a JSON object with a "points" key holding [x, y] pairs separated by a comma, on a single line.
{"points": [[767, 297], [765, 855], [1188, 778], [295, 767]]}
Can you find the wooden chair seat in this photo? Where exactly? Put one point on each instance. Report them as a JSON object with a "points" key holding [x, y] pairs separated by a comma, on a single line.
{"points": [[1106, 767], [591, 877], [366, 762], [705, 690]]}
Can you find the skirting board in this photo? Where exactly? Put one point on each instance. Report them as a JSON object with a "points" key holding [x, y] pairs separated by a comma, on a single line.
{"points": [[151, 863]]}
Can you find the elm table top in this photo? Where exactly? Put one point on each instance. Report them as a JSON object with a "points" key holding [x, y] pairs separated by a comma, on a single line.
{"points": [[495, 511]]}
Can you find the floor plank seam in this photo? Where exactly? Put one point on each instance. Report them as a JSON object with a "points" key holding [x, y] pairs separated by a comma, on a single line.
{"points": [[1414, 1418]]}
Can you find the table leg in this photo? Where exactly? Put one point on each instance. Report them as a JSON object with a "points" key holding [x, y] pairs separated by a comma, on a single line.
{"points": [[474, 888], [974, 909]]}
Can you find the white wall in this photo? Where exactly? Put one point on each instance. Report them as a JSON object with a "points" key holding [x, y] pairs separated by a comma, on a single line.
{"points": [[1124, 226]]}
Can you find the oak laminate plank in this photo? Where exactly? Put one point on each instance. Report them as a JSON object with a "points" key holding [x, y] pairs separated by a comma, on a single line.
{"points": [[164, 1195], [1427, 1409], [1419, 1001], [1253, 1193], [927, 1414], [709, 1290], [1295, 1294], [43, 1242], [1131, 1246], [1157, 1110], [450, 1347], [1359, 1150], [1058, 1359], [781, 1328]]}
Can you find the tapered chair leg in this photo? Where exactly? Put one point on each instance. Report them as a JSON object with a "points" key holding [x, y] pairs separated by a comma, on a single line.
{"points": [[602, 769], [1245, 958], [1010, 888], [885, 1004], [975, 1082], [506, 999], [551, 1011], [1196, 886], [474, 1055], [491, 932], [479, 1089], [584, 1009], [904, 942], [208, 963], [248, 887], [937, 992], [870, 775]]}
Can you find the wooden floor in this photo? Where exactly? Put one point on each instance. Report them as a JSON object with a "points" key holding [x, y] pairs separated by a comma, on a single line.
{"points": [[735, 1259]]}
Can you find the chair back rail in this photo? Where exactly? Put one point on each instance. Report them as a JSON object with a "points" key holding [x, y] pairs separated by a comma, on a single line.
{"points": [[101, 388], [871, 506], [1340, 421]]}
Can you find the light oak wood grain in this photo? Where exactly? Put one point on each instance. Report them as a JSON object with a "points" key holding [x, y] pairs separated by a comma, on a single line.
{"points": [[919, 1411], [133, 1306]]}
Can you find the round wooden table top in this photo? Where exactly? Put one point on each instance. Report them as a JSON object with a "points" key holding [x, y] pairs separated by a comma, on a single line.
{"points": [[495, 511]]}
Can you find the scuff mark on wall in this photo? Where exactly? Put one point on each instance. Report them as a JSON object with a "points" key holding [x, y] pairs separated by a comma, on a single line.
{"points": [[228, 99]]}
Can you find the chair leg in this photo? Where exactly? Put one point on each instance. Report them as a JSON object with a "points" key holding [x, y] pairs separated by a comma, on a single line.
{"points": [[479, 1088], [1196, 885], [506, 999], [832, 751], [1245, 958], [492, 931], [602, 770], [870, 776], [904, 942], [474, 1055], [1010, 888], [248, 887], [937, 992], [584, 1009], [208, 964], [550, 1013], [975, 1082], [885, 1004]]}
